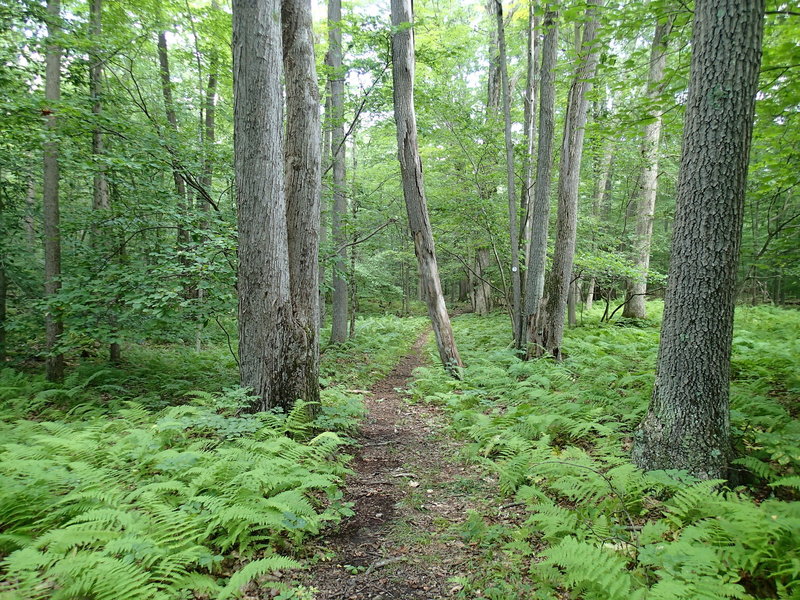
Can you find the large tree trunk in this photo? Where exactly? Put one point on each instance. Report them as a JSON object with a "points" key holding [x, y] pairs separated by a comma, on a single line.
{"points": [[413, 186], [687, 425], [637, 287], [540, 209], [513, 228], [267, 327], [303, 183], [526, 197], [336, 82], [54, 327], [558, 281]]}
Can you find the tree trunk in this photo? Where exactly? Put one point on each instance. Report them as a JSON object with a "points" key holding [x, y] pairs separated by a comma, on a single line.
{"points": [[268, 332], [303, 186], [172, 120], [637, 287], [100, 187], [323, 231], [687, 425], [483, 291], [540, 209], [413, 186], [513, 228], [3, 300], [54, 327], [493, 83], [589, 301], [336, 82], [100, 195], [572, 300], [526, 197], [558, 281]]}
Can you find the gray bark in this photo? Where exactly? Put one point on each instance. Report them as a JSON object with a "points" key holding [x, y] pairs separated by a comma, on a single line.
{"points": [[540, 208], [267, 328], [558, 281], [303, 172], [493, 84], [513, 228], [637, 287], [172, 121], [413, 186], [100, 187], [687, 425], [54, 326], [3, 300], [534, 50], [483, 291], [338, 234]]}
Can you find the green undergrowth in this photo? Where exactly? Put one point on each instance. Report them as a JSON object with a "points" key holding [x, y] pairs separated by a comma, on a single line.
{"points": [[149, 481], [557, 437]]}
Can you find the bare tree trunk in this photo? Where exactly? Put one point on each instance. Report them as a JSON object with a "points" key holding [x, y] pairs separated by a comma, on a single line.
{"points": [[354, 245], [413, 186], [493, 83], [303, 186], [513, 228], [3, 301], [323, 230], [558, 281], [100, 195], [572, 300], [54, 326], [268, 332], [636, 307], [526, 197], [207, 173], [483, 291], [687, 425], [30, 209], [540, 209], [172, 120], [336, 82], [599, 196], [100, 187]]}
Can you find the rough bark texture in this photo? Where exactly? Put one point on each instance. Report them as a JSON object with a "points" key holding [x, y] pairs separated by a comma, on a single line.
{"points": [[267, 330], [558, 280], [540, 208], [635, 308], [516, 283], [688, 421], [413, 187], [303, 182], [534, 50], [336, 82], [54, 327]]}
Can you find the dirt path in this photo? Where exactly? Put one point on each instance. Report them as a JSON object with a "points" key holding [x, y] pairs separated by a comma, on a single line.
{"points": [[408, 490]]}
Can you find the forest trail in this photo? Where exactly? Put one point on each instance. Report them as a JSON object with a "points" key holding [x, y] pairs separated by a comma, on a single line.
{"points": [[408, 491]]}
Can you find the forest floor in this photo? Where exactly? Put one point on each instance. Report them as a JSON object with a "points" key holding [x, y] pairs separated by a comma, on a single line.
{"points": [[410, 493]]}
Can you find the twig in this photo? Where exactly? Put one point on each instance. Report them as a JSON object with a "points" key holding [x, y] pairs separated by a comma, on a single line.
{"points": [[228, 337], [384, 562]]}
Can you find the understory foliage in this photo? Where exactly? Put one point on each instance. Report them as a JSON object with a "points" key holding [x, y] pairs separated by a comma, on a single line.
{"points": [[557, 437], [111, 490]]}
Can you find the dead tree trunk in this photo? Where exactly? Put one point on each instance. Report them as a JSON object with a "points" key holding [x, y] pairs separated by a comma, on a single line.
{"points": [[413, 186]]}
